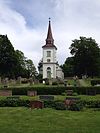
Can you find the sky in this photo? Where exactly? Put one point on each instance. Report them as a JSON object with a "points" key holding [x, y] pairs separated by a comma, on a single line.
{"points": [[26, 22]]}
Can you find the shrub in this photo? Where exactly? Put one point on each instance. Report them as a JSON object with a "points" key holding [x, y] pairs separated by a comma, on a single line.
{"points": [[25, 82], [95, 82], [14, 103], [78, 106], [54, 83], [92, 104], [63, 94], [75, 94], [49, 104], [54, 90], [60, 106]]}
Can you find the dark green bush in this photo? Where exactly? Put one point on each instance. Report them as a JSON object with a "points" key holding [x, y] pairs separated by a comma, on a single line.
{"points": [[25, 82], [54, 83], [49, 104], [78, 106], [95, 82], [55, 90], [40, 90], [92, 104], [14, 103], [60, 106]]}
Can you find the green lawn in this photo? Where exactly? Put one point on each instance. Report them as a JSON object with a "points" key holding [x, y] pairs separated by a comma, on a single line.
{"points": [[24, 120]]}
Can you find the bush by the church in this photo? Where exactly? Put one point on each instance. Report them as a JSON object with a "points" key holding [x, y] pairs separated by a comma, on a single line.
{"points": [[55, 83]]}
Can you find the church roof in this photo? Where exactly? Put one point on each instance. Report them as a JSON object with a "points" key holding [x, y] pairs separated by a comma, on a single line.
{"points": [[49, 39]]}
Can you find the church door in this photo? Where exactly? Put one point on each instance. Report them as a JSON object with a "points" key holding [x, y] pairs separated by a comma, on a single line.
{"points": [[48, 72]]}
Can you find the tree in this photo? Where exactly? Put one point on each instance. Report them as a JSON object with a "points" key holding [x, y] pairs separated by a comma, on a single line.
{"points": [[40, 67], [21, 66], [30, 68], [68, 67], [86, 55], [8, 59], [27, 68], [13, 63]]}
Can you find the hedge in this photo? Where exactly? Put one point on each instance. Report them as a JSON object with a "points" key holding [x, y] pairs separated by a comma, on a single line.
{"points": [[55, 90], [58, 105], [14, 103], [95, 82]]}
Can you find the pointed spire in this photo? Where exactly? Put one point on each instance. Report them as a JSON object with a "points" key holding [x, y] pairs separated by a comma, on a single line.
{"points": [[49, 39], [49, 35]]}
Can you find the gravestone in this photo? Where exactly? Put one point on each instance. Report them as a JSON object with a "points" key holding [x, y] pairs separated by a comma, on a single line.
{"points": [[19, 80], [5, 82], [5, 93], [31, 81], [12, 81], [71, 100], [36, 104], [69, 92], [46, 97], [32, 93]]}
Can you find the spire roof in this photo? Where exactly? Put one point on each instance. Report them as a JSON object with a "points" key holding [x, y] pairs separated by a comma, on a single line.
{"points": [[49, 39]]}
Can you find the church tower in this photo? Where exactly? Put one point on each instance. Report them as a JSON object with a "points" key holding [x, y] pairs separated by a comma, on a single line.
{"points": [[49, 56]]}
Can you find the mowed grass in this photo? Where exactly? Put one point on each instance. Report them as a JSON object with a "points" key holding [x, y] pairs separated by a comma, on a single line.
{"points": [[25, 120]]}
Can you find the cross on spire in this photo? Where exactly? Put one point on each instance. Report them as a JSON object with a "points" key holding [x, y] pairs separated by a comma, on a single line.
{"points": [[49, 18]]}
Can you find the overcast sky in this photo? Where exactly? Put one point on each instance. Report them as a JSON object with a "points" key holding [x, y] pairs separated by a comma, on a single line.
{"points": [[26, 22]]}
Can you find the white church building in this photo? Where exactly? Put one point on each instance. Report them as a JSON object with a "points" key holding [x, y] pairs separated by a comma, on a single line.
{"points": [[51, 68]]}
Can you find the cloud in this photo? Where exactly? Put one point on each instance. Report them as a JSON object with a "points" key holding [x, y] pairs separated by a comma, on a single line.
{"points": [[26, 23], [22, 37]]}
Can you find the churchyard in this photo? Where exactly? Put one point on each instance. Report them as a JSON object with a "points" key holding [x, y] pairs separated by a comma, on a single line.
{"points": [[41, 108]]}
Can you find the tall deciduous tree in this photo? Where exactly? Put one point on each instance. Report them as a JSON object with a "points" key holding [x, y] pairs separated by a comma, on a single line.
{"points": [[68, 67], [30, 68], [13, 63], [86, 54], [8, 59]]}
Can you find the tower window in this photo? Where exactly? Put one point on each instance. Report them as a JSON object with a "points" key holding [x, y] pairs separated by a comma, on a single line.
{"points": [[48, 60], [48, 53]]}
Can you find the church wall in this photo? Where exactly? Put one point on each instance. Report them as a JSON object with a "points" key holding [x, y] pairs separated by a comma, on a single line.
{"points": [[53, 55], [53, 70]]}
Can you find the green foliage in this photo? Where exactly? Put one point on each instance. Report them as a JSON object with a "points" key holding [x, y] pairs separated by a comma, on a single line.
{"points": [[30, 68], [86, 55], [95, 82], [12, 62], [40, 90], [60, 106], [8, 58], [77, 106], [68, 67], [49, 104], [14, 103], [55, 90], [55, 83]]}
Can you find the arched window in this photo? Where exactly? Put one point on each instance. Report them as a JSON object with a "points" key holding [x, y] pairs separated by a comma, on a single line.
{"points": [[48, 60], [49, 72]]}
